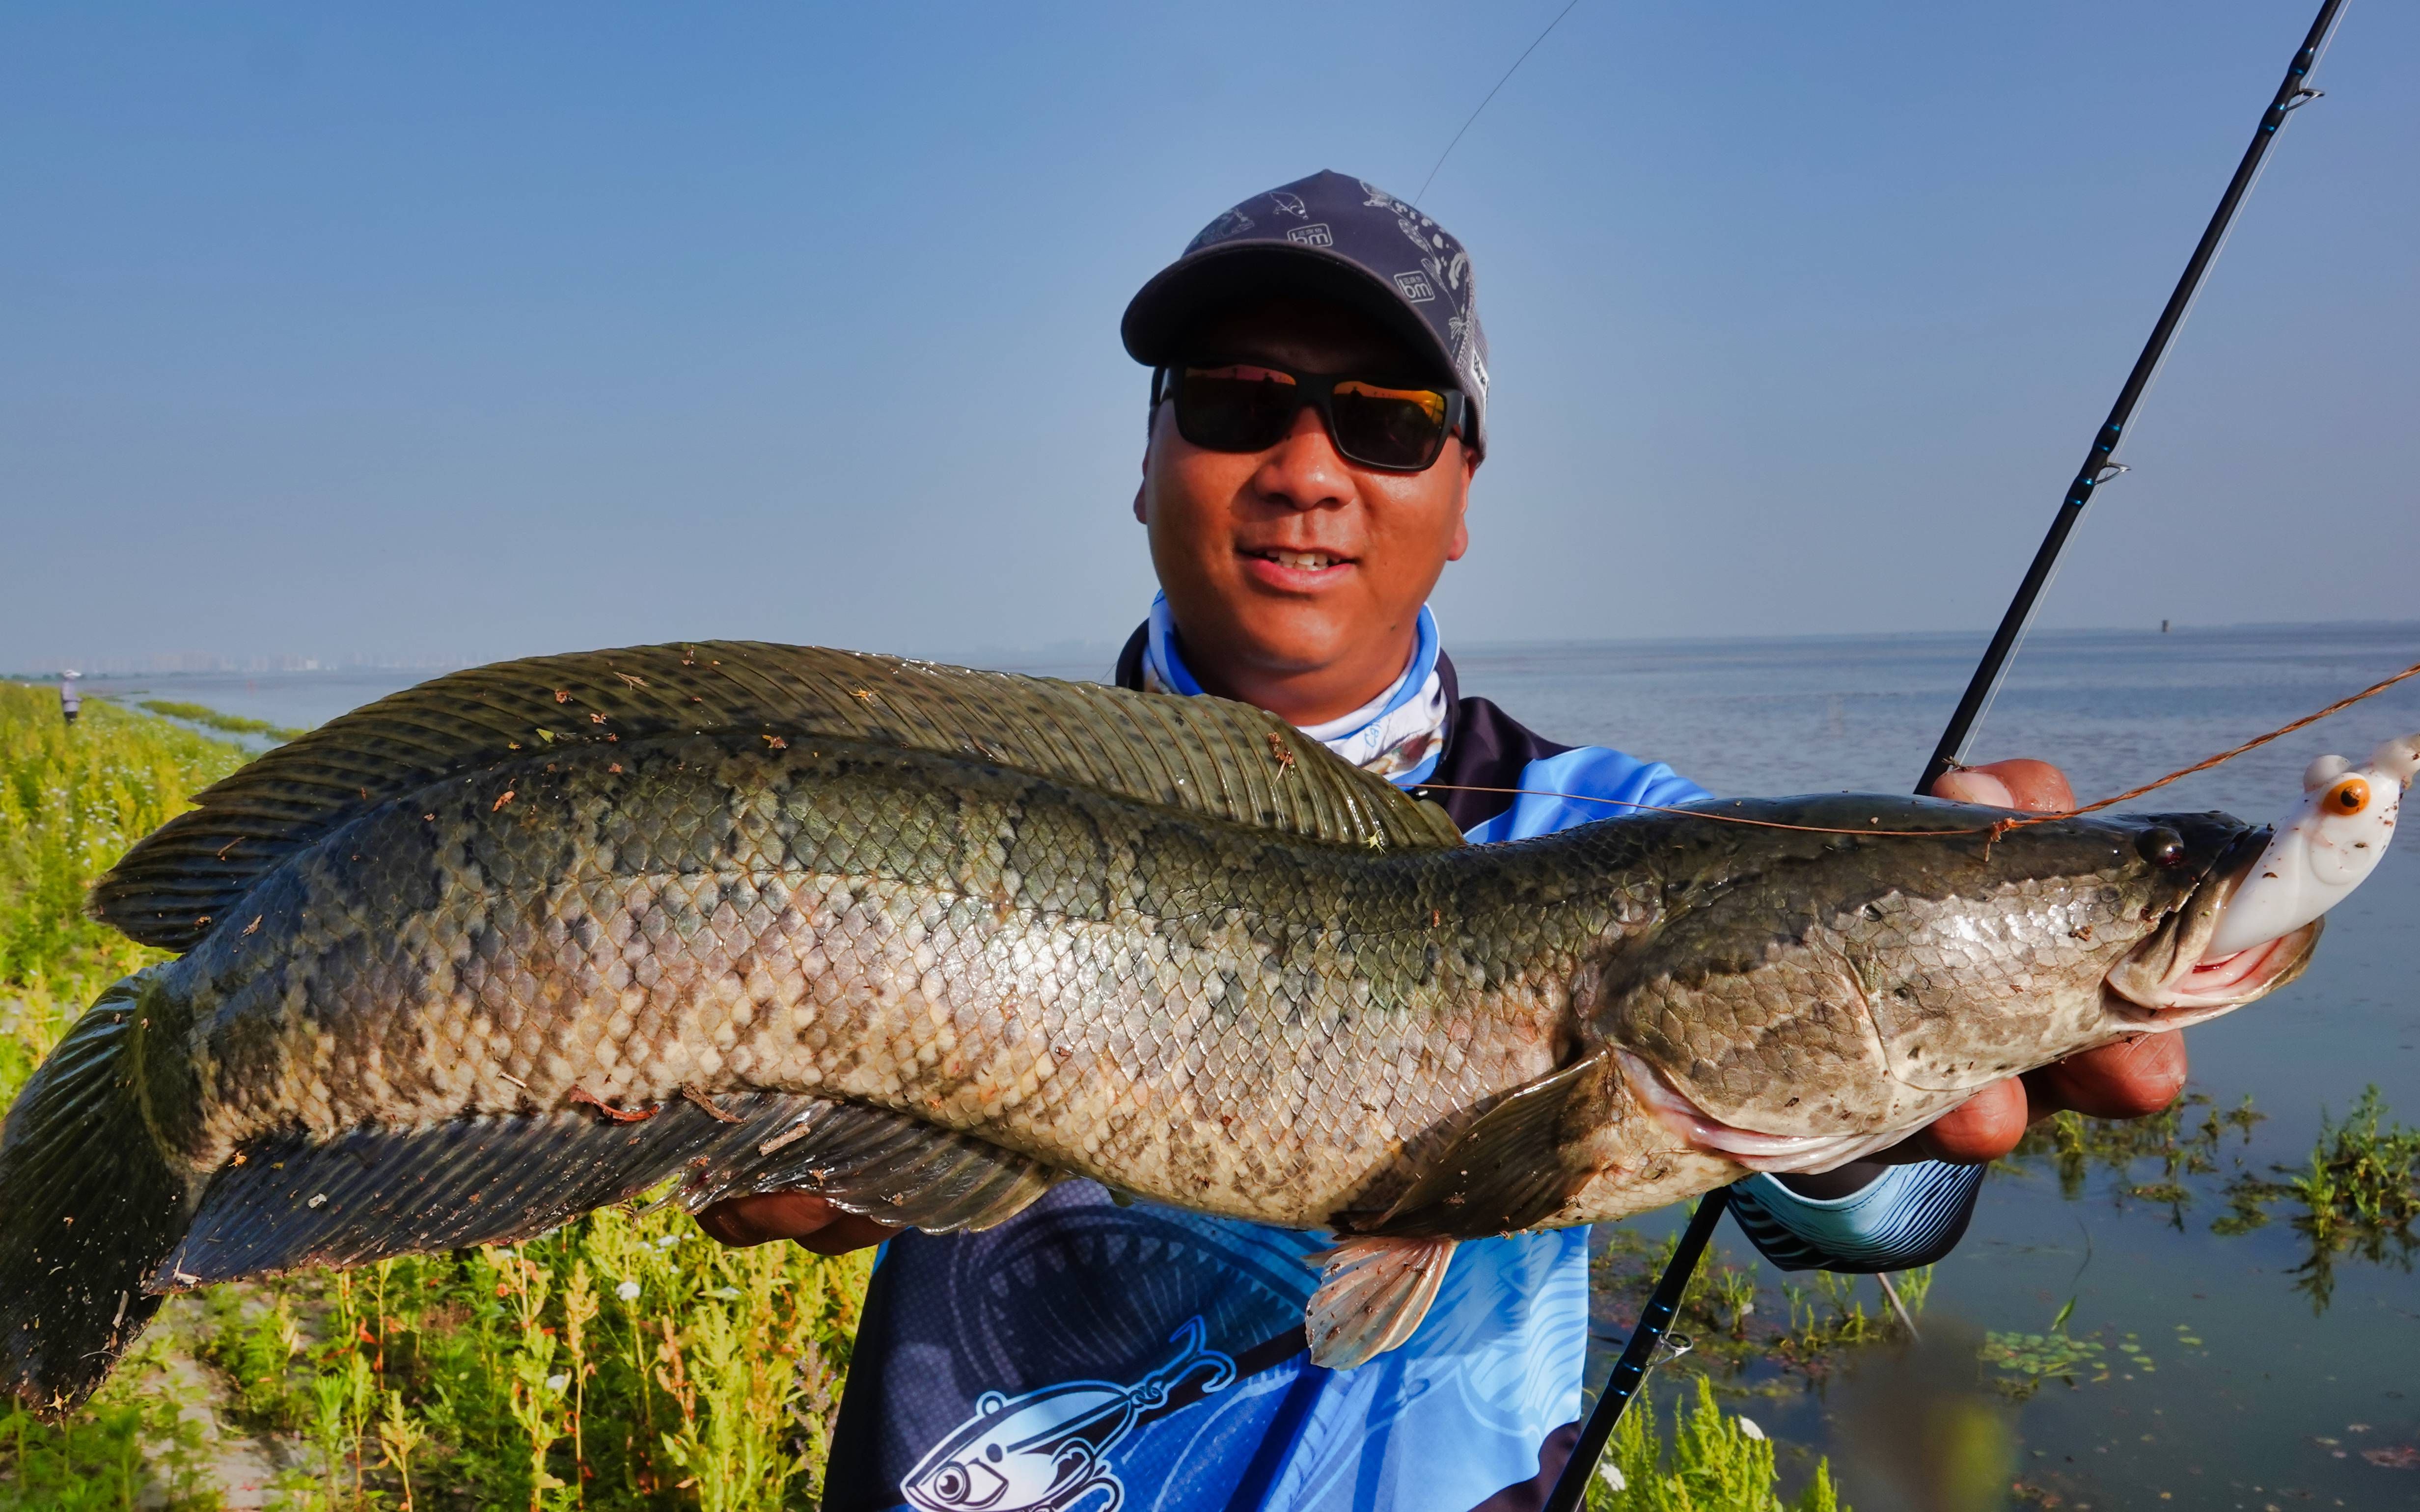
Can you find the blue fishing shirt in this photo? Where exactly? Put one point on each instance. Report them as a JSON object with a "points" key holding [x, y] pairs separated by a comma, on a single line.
{"points": [[1088, 1354]]}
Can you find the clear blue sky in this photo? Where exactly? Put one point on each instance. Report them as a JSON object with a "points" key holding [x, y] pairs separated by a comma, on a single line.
{"points": [[477, 331]]}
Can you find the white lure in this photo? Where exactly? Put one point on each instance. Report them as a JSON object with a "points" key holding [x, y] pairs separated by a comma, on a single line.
{"points": [[2321, 851]]}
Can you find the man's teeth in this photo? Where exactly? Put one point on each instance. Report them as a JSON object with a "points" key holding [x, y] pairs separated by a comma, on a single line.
{"points": [[1304, 560]]}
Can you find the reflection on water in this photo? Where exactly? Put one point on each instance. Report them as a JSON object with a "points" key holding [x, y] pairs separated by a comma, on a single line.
{"points": [[2217, 1384]]}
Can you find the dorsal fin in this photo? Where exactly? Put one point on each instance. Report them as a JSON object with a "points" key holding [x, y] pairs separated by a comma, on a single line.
{"points": [[1201, 755]]}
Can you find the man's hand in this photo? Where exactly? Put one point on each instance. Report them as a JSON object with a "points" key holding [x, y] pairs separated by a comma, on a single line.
{"points": [[812, 1221], [2120, 1081]]}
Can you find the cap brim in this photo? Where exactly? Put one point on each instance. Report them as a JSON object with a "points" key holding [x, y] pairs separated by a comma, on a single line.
{"points": [[1164, 310]]}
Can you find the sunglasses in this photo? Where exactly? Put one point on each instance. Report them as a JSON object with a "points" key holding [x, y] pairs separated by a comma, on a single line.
{"points": [[1250, 407]]}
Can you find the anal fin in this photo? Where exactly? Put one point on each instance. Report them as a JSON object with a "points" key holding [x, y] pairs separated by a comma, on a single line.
{"points": [[877, 1163], [375, 1193], [1372, 1293]]}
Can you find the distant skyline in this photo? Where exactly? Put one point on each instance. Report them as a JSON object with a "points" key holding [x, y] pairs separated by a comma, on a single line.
{"points": [[459, 333]]}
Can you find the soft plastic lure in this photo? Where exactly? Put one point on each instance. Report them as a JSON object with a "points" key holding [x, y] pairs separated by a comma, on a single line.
{"points": [[2324, 848]]}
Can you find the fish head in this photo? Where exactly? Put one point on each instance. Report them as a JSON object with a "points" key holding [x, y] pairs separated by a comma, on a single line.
{"points": [[2183, 972], [2074, 933], [1837, 992]]}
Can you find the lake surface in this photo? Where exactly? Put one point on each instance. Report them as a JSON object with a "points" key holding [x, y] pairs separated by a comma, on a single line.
{"points": [[2274, 1405]]}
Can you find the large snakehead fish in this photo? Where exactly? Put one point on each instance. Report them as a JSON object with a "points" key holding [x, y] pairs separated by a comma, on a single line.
{"points": [[532, 938]]}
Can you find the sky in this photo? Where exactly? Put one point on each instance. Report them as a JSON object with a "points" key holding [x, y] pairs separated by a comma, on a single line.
{"points": [[467, 332]]}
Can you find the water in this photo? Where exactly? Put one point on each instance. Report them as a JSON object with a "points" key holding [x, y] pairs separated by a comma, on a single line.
{"points": [[2242, 1420]]}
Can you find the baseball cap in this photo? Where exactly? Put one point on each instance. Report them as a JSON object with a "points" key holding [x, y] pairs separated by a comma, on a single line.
{"points": [[1334, 238]]}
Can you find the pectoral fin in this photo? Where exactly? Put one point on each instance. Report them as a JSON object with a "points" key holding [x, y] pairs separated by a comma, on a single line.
{"points": [[1372, 1293], [1511, 1169]]}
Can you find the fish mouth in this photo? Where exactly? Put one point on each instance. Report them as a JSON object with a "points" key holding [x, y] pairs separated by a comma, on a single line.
{"points": [[1806, 1154], [2171, 979]]}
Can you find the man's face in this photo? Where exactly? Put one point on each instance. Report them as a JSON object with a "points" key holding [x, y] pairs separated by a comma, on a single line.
{"points": [[1297, 577]]}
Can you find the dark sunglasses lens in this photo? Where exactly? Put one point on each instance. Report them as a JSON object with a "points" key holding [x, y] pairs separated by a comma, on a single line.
{"points": [[1235, 408], [1398, 429]]}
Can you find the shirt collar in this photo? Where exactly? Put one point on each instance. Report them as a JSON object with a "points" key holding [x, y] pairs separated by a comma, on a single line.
{"points": [[1397, 735]]}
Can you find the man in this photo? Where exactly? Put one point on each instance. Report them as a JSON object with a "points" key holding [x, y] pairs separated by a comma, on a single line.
{"points": [[71, 697], [1318, 411]]}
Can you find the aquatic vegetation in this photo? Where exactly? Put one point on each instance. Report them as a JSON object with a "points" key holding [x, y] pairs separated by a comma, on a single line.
{"points": [[1822, 1314], [1828, 1315], [2359, 1193], [233, 724], [2072, 1147], [1713, 1462], [2028, 1360]]}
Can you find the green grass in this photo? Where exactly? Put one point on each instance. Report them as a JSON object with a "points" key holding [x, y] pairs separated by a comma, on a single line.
{"points": [[1710, 1461], [71, 799], [233, 724], [623, 1361]]}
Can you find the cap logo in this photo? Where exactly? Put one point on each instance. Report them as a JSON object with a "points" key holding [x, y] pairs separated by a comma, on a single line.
{"points": [[1233, 224], [1285, 204], [1312, 236], [1414, 286]]}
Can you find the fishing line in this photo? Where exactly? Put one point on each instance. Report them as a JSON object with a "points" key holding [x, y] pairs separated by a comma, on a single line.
{"points": [[1491, 95], [1997, 827]]}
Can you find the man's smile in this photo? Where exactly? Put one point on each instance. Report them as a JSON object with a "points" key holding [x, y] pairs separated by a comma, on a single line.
{"points": [[1289, 568]]}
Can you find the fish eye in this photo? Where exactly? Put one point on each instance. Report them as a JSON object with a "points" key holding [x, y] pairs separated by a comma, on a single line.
{"points": [[951, 1483], [2161, 846], [2351, 795]]}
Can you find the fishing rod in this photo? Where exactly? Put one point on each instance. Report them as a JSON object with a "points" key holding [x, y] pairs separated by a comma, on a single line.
{"points": [[1630, 1371], [2100, 462], [2099, 466]]}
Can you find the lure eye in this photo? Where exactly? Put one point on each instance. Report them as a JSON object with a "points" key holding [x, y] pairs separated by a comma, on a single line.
{"points": [[2350, 796]]}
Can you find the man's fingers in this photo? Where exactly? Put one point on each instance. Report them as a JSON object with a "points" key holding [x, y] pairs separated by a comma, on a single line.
{"points": [[1983, 1128], [2035, 787], [812, 1221], [1972, 784], [2125, 1080]]}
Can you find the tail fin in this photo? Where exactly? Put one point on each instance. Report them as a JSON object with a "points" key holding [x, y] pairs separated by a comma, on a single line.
{"points": [[88, 1206]]}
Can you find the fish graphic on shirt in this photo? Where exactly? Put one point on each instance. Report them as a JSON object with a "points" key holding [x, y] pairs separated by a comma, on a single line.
{"points": [[1047, 1449]]}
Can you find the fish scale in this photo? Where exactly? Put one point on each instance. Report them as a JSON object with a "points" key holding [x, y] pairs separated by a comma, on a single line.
{"points": [[936, 938]]}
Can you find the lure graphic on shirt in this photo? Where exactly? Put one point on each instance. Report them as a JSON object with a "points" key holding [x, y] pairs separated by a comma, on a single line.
{"points": [[1046, 1450], [531, 939]]}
